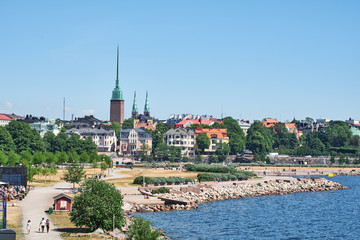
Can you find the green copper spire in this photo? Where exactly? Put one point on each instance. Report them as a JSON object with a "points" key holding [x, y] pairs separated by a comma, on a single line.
{"points": [[147, 108], [117, 93], [134, 108]]}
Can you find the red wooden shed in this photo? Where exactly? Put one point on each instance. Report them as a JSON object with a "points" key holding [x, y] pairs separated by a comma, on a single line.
{"points": [[62, 202]]}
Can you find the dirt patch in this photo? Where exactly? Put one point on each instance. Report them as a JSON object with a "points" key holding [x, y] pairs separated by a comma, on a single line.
{"points": [[14, 216], [70, 231], [47, 181]]}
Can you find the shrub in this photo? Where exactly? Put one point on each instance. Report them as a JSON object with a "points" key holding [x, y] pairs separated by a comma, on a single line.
{"points": [[160, 190], [140, 179], [141, 229], [205, 177]]}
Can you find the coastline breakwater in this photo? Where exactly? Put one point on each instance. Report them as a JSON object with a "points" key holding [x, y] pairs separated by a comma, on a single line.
{"points": [[240, 190]]}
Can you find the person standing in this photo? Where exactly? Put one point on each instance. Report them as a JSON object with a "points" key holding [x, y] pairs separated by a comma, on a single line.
{"points": [[47, 225], [42, 224], [28, 226]]}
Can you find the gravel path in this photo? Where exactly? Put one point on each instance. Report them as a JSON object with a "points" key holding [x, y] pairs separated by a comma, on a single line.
{"points": [[34, 206]]}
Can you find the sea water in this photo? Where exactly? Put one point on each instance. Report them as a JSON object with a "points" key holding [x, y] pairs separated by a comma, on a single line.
{"points": [[314, 215]]}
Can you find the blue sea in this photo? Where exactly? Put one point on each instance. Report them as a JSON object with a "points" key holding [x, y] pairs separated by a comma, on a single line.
{"points": [[315, 215]]}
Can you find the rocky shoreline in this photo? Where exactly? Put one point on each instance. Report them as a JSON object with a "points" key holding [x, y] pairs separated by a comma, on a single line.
{"points": [[204, 193]]}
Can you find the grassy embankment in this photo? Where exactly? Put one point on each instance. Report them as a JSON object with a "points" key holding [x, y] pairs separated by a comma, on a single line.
{"points": [[46, 181], [130, 174], [70, 231], [14, 219]]}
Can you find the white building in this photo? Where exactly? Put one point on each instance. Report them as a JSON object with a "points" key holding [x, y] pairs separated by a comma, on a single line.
{"points": [[323, 120], [43, 127], [182, 138], [105, 140], [4, 120], [244, 125]]}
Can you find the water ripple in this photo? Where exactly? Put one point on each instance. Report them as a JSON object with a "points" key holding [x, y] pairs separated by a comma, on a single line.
{"points": [[317, 215]]}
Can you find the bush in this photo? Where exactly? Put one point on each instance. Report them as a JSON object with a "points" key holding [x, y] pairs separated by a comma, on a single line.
{"points": [[141, 229], [160, 190], [140, 179], [208, 168], [206, 177]]}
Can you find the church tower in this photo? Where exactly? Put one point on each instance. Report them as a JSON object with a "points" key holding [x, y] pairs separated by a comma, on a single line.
{"points": [[147, 108], [117, 100], [134, 113]]}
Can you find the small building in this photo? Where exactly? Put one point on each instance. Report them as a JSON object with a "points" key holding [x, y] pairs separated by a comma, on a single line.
{"points": [[4, 120], [216, 135], [62, 202], [133, 141]]}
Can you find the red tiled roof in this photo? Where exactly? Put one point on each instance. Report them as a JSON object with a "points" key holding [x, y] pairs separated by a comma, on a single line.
{"points": [[195, 121], [5, 117], [220, 132]]}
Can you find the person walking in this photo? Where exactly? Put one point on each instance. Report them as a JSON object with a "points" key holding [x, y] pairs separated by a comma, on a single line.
{"points": [[47, 225], [28, 226], [42, 224]]}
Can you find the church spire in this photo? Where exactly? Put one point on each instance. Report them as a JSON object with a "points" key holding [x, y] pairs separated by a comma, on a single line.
{"points": [[117, 93], [134, 113], [147, 108]]}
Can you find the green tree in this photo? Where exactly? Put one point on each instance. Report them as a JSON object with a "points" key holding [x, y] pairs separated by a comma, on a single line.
{"points": [[84, 157], [162, 151], [174, 152], [257, 144], [157, 138], [354, 141], [99, 205], [202, 141], [222, 150], [140, 229], [38, 157], [3, 158], [94, 157], [236, 135], [26, 158], [62, 157], [6, 142], [162, 128], [332, 160], [267, 134], [317, 146], [74, 174], [103, 166], [338, 134], [214, 159], [24, 137], [75, 143], [88, 145], [13, 158], [128, 123], [50, 158], [73, 157], [198, 159], [60, 142], [49, 141]]}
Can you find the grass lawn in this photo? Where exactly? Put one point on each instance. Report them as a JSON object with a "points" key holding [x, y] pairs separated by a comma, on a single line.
{"points": [[131, 174], [71, 232], [46, 181], [14, 218]]}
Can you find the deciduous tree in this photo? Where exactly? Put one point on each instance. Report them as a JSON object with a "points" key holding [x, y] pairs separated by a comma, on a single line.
{"points": [[99, 205]]}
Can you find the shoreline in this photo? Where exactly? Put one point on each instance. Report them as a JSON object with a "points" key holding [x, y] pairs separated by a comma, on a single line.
{"points": [[187, 198]]}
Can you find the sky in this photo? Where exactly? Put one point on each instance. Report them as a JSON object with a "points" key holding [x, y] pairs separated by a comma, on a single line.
{"points": [[245, 59]]}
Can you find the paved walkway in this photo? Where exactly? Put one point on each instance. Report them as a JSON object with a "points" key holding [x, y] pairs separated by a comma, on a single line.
{"points": [[34, 206]]}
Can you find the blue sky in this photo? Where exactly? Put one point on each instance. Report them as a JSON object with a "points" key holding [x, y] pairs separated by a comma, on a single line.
{"points": [[253, 59]]}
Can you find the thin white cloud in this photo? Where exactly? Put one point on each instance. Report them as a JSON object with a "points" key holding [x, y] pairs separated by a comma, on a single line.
{"points": [[9, 104]]}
